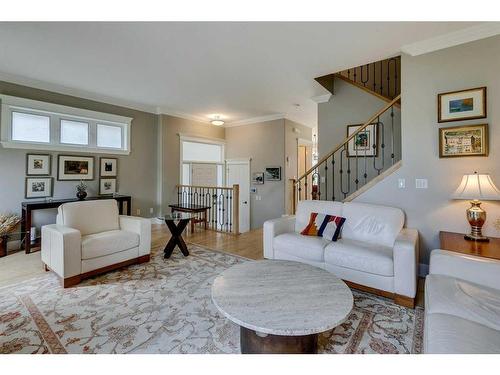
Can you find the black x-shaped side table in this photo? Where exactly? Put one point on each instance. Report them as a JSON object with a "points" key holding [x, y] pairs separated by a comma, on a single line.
{"points": [[176, 231]]}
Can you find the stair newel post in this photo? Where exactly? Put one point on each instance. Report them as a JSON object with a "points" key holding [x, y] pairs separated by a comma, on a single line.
{"points": [[294, 195], [236, 209], [300, 190]]}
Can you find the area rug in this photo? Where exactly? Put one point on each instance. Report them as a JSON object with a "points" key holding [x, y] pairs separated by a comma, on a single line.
{"points": [[164, 306]]}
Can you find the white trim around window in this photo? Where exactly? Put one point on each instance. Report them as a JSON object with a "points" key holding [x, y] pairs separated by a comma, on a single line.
{"points": [[56, 113]]}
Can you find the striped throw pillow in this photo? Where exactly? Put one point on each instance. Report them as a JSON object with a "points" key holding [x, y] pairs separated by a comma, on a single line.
{"points": [[326, 226]]}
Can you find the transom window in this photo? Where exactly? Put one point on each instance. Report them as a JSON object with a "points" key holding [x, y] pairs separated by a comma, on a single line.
{"points": [[32, 124]]}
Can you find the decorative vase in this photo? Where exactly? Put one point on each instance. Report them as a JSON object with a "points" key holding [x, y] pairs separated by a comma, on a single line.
{"points": [[81, 195]]}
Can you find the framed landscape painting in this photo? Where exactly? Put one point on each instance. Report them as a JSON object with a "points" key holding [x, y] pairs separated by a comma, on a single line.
{"points": [[273, 174], [470, 140], [462, 105], [38, 187], [75, 168], [38, 164], [365, 143]]}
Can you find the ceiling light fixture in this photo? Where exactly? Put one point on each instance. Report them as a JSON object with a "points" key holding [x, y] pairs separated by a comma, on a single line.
{"points": [[217, 121]]}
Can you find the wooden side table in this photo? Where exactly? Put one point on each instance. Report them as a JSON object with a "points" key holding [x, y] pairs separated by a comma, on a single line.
{"points": [[456, 242]]}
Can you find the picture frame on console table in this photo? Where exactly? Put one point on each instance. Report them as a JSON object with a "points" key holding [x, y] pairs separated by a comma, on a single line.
{"points": [[464, 140], [108, 167], [75, 168], [39, 187], [107, 186], [38, 164], [462, 105]]}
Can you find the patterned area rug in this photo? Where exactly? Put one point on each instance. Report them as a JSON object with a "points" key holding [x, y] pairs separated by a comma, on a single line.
{"points": [[164, 306]]}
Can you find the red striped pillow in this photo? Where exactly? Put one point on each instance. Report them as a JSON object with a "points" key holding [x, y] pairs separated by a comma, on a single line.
{"points": [[326, 226]]}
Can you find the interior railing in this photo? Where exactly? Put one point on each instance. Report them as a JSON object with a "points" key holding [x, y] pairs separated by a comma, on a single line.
{"points": [[366, 153], [222, 202]]}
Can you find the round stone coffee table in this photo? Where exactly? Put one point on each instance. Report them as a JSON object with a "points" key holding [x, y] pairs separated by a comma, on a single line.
{"points": [[281, 306]]}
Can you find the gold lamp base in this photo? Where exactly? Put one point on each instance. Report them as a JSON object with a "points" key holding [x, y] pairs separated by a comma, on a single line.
{"points": [[476, 217]]}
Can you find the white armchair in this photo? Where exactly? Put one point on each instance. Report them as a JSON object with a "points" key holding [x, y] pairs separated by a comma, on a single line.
{"points": [[375, 252], [90, 237]]}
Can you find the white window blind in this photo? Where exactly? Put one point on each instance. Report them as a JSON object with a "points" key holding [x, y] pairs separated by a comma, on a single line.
{"points": [[74, 132], [28, 127]]}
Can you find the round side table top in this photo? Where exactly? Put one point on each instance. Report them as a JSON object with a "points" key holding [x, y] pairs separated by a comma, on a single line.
{"points": [[282, 297]]}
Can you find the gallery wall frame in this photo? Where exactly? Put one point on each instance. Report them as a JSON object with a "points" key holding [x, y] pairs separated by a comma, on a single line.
{"points": [[460, 105], [463, 140], [75, 168], [38, 164]]}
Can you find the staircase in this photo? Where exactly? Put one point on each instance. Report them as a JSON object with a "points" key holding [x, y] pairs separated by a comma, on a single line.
{"points": [[371, 151]]}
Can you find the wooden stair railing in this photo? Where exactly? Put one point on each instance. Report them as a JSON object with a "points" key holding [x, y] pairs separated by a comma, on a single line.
{"points": [[380, 78], [365, 154]]}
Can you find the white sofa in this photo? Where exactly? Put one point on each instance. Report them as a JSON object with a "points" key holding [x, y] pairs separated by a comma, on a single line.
{"points": [[90, 237], [462, 304], [374, 252]]}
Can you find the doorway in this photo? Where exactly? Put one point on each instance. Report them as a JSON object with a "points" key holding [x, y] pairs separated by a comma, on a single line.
{"points": [[238, 173]]}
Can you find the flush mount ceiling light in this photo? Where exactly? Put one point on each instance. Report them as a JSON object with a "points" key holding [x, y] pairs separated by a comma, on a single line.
{"points": [[217, 121]]}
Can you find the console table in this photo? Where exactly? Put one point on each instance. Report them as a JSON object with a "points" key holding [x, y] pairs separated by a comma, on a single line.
{"points": [[28, 207]]}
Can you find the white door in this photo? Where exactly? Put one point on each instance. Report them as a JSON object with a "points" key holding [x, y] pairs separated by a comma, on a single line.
{"points": [[238, 173], [204, 174]]}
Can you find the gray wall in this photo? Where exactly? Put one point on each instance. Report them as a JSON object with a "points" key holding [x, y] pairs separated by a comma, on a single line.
{"points": [[172, 126], [350, 106], [264, 143], [136, 172], [423, 77]]}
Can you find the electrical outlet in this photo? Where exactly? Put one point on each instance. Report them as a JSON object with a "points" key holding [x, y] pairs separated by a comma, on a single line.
{"points": [[421, 183], [138, 212], [401, 183]]}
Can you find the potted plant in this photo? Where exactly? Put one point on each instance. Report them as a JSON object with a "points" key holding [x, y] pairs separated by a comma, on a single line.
{"points": [[81, 191]]}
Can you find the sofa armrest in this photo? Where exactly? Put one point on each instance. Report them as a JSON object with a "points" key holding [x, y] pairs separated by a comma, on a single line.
{"points": [[405, 256], [142, 227], [273, 228], [479, 270], [62, 250]]}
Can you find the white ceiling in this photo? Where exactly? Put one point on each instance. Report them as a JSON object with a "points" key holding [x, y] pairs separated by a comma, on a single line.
{"points": [[193, 69]]}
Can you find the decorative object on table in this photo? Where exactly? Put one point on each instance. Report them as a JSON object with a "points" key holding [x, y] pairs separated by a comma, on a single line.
{"points": [[462, 105], [365, 143], [108, 167], [258, 178], [38, 164], [81, 191], [273, 174], [74, 168], [38, 187], [467, 140], [476, 187], [107, 186], [7, 224]]}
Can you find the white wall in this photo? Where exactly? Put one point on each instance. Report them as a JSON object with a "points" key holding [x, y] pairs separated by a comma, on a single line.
{"points": [[423, 77]]}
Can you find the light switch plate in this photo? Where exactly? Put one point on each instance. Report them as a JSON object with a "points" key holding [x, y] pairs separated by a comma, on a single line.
{"points": [[421, 183], [401, 183]]}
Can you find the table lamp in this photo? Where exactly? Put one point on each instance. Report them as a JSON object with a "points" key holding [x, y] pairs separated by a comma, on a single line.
{"points": [[476, 187]]}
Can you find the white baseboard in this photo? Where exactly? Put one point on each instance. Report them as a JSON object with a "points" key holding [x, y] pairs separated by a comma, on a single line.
{"points": [[423, 270]]}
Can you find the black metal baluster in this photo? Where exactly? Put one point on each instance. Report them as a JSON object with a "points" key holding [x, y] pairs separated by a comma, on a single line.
{"points": [[365, 80], [392, 135], [326, 178], [333, 177]]}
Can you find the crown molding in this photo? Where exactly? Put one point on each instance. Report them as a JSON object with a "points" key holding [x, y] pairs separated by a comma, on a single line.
{"points": [[60, 89], [183, 115], [455, 38], [321, 98], [254, 120]]}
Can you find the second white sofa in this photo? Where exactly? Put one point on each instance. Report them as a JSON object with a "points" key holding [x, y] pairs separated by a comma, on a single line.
{"points": [[375, 251]]}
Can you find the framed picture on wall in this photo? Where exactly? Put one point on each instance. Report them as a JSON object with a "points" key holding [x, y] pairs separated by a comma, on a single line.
{"points": [[108, 167], [107, 186], [75, 168], [273, 174], [38, 164], [39, 187], [258, 178], [365, 143], [462, 105], [468, 140]]}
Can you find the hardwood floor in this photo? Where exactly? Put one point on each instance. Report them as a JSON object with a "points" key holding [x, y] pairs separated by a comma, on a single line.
{"points": [[18, 267]]}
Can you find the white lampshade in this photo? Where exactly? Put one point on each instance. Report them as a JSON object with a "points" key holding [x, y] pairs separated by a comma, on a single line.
{"points": [[477, 186]]}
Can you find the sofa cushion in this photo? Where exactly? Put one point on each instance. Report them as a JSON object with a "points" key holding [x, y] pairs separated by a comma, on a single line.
{"points": [[322, 225], [448, 334], [305, 208], [304, 247], [448, 295], [360, 256], [372, 223], [106, 243], [90, 217]]}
